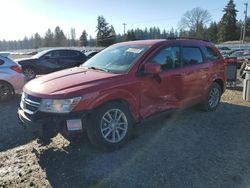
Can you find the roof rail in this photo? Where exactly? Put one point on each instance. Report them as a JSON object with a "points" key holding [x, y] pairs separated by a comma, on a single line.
{"points": [[188, 38]]}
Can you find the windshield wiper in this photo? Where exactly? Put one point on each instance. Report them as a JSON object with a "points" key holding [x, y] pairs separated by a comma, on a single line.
{"points": [[97, 68]]}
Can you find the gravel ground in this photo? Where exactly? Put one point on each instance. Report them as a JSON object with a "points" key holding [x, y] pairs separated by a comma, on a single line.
{"points": [[188, 149]]}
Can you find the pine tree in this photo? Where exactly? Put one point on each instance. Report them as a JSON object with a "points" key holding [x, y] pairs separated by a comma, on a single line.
{"points": [[213, 32], [227, 25], [37, 41], [105, 33], [130, 35], [60, 38], [49, 39], [83, 39]]}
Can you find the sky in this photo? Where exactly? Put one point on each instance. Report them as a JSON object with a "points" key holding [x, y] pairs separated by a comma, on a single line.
{"points": [[21, 18]]}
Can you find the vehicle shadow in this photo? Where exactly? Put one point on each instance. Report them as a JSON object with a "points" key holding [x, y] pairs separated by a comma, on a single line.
{"points": [[236, 88], [188, 148], [11, 134]]}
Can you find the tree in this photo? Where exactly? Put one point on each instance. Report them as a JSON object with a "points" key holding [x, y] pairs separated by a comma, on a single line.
{"points": [[37, 41], [83, 39], [195, 21], [72, 37], [130, 35], [213, 32], [60, 38], [227, 25], [49, 39], [105, 33]]}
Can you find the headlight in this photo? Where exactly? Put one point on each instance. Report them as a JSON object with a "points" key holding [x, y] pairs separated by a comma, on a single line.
{"points": [[59, 105]]}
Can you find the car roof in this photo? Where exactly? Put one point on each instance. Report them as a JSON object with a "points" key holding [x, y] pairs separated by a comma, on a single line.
{"points": [[172, 40], [55, 49]]}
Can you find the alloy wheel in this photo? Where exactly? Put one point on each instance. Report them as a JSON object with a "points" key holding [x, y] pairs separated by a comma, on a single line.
{"points": [[114, 125]]}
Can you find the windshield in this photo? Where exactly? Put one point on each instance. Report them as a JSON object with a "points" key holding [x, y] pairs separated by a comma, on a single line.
{"points": [[39, 54], [116, 59]]}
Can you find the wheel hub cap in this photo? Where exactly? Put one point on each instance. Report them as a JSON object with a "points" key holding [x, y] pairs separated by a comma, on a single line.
{"points": [[114, 125]]}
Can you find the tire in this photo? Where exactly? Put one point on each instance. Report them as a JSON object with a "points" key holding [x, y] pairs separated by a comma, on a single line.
{"points": [[6, 91], [212, 100], [110, 126], [29, 72]]}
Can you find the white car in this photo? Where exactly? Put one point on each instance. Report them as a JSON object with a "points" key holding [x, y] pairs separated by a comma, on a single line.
{"points": [[11, 78]]}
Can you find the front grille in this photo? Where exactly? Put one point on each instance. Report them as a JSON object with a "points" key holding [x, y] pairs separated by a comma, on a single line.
{"points": [[30, 104]]}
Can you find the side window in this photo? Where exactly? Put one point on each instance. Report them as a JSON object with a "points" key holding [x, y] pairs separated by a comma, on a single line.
{"points": [[53, 54], [67, 53], [211, 54], [168, 58], [1, 62], [191, 56]]}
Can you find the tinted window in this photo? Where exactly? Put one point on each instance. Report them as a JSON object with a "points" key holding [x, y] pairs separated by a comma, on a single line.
{"points": [[52, 54], [192, 56], [168, 58], [68, 53], [211, 54], [1, 62]]}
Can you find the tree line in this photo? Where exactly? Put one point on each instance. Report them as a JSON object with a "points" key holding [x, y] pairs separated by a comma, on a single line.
{"points": [[195, 23]]}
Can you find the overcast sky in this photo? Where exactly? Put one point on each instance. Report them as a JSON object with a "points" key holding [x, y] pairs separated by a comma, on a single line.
{"points": [[21, 18]]}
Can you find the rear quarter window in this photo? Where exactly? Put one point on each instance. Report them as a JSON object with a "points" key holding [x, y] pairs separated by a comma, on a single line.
{"points": [[211, 54], [1, 62]]}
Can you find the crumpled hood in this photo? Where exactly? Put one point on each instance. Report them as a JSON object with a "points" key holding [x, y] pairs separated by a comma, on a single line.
{"points": [[67, 83]]}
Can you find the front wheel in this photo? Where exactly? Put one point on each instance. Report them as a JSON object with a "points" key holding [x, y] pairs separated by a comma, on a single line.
{"points": [[110, 126], [212, 100]]}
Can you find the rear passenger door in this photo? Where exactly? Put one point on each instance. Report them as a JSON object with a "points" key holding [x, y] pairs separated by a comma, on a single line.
{"points": [[194, 74]]}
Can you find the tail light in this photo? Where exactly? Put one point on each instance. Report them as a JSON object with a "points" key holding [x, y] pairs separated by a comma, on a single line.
{"points": [[17, 69]]}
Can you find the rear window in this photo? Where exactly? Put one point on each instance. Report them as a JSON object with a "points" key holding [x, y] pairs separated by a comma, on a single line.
{"points": [[192, 56]]}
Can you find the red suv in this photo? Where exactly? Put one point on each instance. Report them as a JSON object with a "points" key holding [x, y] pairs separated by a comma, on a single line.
{"points": [[124, 84]]}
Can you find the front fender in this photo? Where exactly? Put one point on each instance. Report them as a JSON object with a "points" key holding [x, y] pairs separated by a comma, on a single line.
{"points": [[94, 100]]}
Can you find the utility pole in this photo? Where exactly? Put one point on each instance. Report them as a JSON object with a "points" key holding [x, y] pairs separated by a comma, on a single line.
{"points": [[124, 29], [245, 23]]}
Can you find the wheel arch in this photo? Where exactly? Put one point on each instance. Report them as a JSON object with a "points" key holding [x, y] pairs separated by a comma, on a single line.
{"points": [[122, 101], [4, 81], [221, 84]]}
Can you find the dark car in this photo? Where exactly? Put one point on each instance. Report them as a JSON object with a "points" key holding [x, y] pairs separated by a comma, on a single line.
{"points": [[90, 54], [50, 61], [123, 85]]}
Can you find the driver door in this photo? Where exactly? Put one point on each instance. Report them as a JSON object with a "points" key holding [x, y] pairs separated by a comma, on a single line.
{"points": [[165, 90]]}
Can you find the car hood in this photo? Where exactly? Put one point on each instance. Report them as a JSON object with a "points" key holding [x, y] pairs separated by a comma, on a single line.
{"points": [[68, 83]]}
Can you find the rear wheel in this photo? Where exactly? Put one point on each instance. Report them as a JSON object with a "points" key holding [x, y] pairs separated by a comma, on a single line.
{"points": [[6, 91], [29, 72], [110, 126], [212, 100]]}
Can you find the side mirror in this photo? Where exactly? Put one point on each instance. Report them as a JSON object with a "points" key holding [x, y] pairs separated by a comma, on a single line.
{"points": [[152, 68]]}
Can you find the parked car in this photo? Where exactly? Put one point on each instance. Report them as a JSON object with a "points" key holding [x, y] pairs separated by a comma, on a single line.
{"points": [[90, 54], [11, 78], [224, 48], [125, 84], [240, 56], [50, 61]]}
